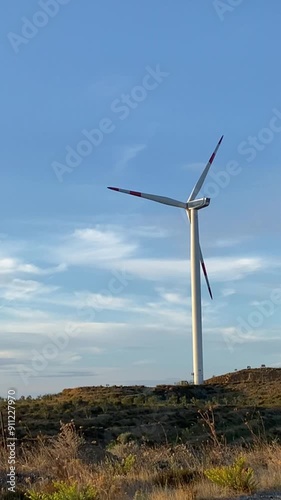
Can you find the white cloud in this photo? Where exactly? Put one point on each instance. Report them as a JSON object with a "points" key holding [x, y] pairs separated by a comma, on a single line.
{"points": [[69, 357], [8, 265], [98, 301], [173, 297], [24, 313], [60, 268], [153, 311], [143, 362], [91, 246], [234, 335], [219, 268], [227, 242], [93, 350], [112, 248], [11, 354], [154, 269], [19, 289], [162, 315], [128, 153], [226, 292], [11, 265]]}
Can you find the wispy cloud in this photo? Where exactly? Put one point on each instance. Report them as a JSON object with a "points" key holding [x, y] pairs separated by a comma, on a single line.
{"points": [[228, 242], [25, 313], [11, 265], [69, 374], [156, 304], [91, 246], [172, 297], [23, 289], [113, 249], [234, 337], [219, 268], [98, 301], [128, 153], [226, 292], [143, 362]]}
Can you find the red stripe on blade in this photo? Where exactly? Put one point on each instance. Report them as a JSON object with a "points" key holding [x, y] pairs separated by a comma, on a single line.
{"points": [[206, 276], [212, 158], [135, 193], [203, 267]]}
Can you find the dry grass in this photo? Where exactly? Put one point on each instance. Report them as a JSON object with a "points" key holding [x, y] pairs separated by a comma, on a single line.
{"points": [[266, 461], [179, 494], [118, 477]]}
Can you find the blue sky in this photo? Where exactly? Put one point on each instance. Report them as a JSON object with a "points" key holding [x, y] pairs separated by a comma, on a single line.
{"points": [[95, 285]]}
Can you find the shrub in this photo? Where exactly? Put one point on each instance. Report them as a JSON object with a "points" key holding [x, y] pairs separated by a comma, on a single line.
{"points": [[125, 466], [128, 463], [236, 476], [64, 491], [125, 438]]}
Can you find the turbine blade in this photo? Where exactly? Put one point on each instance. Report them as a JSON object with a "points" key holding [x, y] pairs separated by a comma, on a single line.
{"points": [[205, 272], [152, 197], [203, 265], [202, 177]]}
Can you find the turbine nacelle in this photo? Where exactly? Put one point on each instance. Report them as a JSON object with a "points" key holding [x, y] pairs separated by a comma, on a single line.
{"points": [[199, 203]]}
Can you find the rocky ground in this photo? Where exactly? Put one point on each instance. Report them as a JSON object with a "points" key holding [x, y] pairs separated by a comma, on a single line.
{"points": [[266, 495]]}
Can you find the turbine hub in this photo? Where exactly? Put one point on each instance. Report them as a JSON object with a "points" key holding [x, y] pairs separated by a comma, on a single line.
{"points": [[199, 203]]}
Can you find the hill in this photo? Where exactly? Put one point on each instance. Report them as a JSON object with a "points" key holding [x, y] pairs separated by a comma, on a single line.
{"points": [[256, 386], [250, 375], [240, 404]]}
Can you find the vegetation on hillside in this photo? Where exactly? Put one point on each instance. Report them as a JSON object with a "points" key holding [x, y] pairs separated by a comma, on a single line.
{"points": [[67, 468], [241, 403], [167, 442]]}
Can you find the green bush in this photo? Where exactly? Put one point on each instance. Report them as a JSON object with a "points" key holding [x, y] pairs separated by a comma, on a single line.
{"points": [[64, 491], [125, 466], [237, 476], [125, 438], [128, 463]]}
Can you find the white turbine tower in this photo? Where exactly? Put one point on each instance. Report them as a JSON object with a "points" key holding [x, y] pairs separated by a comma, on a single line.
{"points": [[191, 207]]}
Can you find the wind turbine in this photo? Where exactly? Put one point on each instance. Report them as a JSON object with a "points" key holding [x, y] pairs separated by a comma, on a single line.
{"points": [[191, 207]]}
